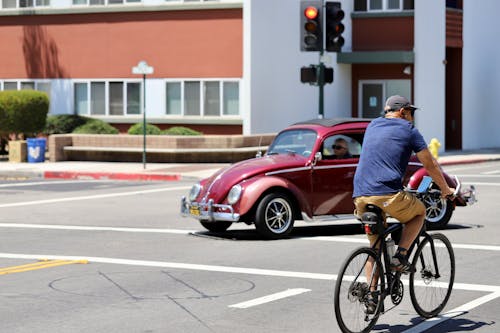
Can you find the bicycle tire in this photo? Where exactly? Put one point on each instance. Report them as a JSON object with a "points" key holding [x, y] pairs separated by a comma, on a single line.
{"points": [[350, 300], [433, 293]]}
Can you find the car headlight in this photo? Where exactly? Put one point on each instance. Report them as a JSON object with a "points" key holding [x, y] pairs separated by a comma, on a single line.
{"points": [[194, 192], [234, 194]]}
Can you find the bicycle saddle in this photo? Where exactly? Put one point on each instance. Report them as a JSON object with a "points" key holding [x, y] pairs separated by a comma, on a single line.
{"points": [[373, 214]]}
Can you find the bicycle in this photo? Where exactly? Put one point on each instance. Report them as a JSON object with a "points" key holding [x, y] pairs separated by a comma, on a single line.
{"points": [[359, 300]]}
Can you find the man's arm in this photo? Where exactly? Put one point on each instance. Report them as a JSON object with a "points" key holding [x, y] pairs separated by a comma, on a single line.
{"points": [[432, 167]]}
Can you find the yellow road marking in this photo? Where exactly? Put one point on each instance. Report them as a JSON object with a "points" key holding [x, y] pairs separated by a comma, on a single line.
{"points": [[44, 263]]}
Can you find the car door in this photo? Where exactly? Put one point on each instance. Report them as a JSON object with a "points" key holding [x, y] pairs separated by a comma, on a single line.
{"points": [[332, 177]]}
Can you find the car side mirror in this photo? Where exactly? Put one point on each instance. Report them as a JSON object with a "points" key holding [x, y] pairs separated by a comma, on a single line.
{"points": [[317, 157]]}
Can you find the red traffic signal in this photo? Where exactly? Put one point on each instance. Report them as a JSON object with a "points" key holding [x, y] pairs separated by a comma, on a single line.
{"points": [[311, 13], [311, 31]]}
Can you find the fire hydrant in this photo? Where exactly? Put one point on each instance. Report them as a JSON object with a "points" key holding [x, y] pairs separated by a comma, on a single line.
{"points": [[434, 147]]}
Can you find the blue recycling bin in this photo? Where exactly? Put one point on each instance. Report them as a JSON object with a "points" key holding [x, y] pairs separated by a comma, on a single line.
{"points": [[36, 150]]}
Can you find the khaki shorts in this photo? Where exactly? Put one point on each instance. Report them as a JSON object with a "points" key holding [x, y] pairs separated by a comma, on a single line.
{"points": [[402, 206]]}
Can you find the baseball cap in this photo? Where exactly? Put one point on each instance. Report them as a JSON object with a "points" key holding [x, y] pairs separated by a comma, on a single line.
{"points": [[397, 102]]}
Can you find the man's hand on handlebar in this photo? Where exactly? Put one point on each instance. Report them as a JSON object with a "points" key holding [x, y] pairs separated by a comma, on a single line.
{"points": [[448, 193]]}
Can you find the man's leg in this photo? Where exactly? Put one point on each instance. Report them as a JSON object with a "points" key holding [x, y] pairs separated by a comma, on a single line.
{"points": [[410, 231]]}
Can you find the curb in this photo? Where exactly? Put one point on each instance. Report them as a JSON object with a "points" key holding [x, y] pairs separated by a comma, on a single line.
{"points": [[110, 176]]}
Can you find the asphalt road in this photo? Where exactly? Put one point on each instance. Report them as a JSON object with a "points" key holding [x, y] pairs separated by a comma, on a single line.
{"points": [[127, 262]]}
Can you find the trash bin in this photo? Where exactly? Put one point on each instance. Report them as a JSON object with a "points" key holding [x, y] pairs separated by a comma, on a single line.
{"points": [[36, 150]]}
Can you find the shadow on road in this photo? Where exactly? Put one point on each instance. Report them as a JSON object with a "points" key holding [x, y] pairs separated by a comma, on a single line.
{"points": [[302, 232]]}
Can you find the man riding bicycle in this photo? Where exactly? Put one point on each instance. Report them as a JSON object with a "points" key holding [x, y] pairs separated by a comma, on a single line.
{"points": [[387, 146]]}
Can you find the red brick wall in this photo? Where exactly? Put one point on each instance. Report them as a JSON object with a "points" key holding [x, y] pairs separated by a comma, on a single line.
{"points": [[190, 43]]}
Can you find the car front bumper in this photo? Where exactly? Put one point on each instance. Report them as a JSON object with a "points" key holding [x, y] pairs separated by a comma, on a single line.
{"points": [[207, 211]]}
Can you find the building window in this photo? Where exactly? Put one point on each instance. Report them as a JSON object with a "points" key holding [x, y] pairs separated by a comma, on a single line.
{"points": [[231, 99], [133, 98], [191, 0], [103, 2], [26, 85], [192, 98], [24, 3], [81, 98], [115, 98], [383, 5], [173, 93], [212, 98], [202, 98]]}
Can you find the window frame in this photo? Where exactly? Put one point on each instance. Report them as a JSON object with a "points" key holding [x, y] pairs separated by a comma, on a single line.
{"points": [[35, 4], [202, 101], [385, 7], [125, 83]]}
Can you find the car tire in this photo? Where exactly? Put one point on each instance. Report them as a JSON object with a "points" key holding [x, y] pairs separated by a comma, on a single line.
{"points": [[438, 211], [217, 226], [274, 216]]}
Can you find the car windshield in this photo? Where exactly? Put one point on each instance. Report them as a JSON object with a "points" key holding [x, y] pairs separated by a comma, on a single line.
{"points": [[293, 142]]}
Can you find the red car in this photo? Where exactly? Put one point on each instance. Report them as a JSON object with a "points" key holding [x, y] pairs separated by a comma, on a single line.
{"points": [[299, 178]]}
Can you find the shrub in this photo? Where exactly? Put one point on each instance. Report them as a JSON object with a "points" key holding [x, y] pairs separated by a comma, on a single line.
{"points": [[181, 130], [137, 129], [23, 111], [63, 123], [95, 126]]}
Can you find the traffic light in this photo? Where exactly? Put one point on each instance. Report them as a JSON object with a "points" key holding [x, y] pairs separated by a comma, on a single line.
{"points": [[312, 75], [333, 26], [311, 36]]}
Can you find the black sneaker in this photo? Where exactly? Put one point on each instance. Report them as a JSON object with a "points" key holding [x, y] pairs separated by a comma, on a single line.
{"points": [[400, 263], [371, 304]]}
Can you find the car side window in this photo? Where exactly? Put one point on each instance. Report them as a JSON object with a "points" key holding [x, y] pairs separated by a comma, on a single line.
{"points": [[340, 146]]}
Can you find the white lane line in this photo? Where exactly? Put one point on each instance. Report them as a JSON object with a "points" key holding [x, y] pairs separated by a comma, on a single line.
{"points": [[198, 267], [269, 298], [482, 184], [490, 172], [422, 327], [91, 197], [44, 183], [365, 242], [477, 176], [92, 228], [215, 268], [186, 232]]}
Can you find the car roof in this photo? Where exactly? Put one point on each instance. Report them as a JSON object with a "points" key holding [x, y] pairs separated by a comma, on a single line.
{"points": [[333, 121]]}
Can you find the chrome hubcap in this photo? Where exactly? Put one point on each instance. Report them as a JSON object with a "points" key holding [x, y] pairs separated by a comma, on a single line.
{"points": [[278, 215]]}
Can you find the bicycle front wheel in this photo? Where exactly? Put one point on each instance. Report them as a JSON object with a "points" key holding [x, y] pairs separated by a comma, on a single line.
{"points": [[358, 299], [430, 289]]}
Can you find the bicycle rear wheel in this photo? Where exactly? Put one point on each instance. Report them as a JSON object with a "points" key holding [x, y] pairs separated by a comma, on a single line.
{"points": [[430, 292], [357, 306]]}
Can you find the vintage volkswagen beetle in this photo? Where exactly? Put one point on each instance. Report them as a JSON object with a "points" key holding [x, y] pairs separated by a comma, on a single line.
{"points": [[297, 179]]}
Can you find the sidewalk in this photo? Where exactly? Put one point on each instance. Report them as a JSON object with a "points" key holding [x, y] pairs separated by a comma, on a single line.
{"points": [[170, 171]]}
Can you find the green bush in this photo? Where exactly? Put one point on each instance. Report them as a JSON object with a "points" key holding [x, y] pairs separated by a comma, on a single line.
{"points": [[23, 111], [95, 126], [137, 129], [64, 123], [181, 130]]}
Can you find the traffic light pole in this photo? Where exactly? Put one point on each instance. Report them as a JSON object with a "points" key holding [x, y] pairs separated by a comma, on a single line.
{"points": [[321, 85]]}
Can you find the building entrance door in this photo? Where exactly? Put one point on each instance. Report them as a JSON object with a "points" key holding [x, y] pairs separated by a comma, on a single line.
{"points": [[374, 93]]}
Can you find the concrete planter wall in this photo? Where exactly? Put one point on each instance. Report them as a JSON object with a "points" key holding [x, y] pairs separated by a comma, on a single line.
{"points": [[159, 148]]}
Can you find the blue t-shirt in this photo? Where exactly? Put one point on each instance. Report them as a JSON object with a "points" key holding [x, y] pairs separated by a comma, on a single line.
{"points": [[387, 147]]}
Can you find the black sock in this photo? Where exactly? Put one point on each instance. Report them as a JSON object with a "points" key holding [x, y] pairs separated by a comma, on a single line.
{"points": [[402, 251]]}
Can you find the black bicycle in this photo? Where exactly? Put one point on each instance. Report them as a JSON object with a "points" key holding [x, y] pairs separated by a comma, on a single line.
{"points": [[365, 279]]}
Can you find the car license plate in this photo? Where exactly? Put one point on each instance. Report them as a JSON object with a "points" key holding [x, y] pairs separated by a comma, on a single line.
{"points": [[194, 210]]}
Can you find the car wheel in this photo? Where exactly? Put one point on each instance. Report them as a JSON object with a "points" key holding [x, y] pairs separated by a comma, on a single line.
{"points": [[274, 216], [217, 226], [438, 211]]}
